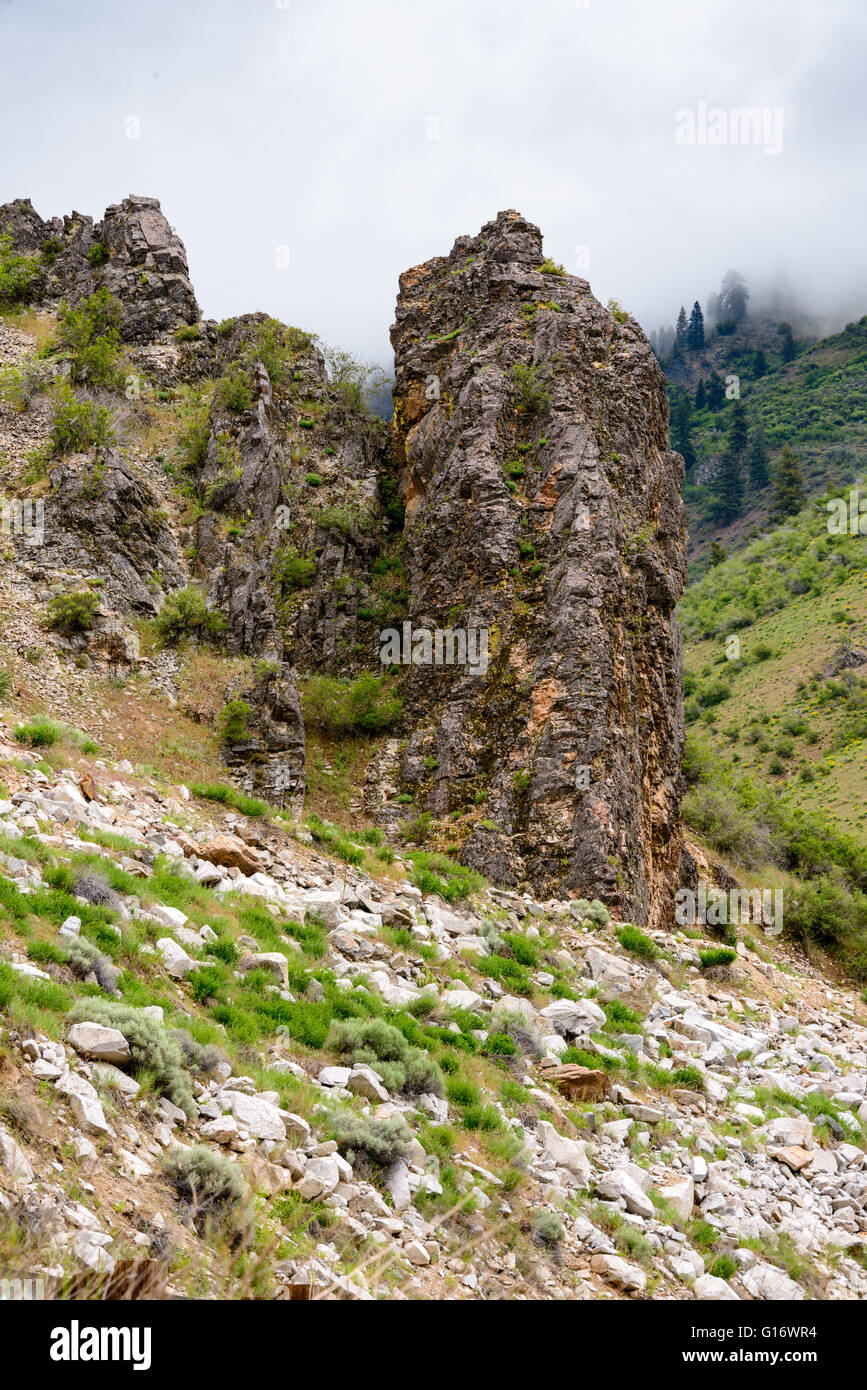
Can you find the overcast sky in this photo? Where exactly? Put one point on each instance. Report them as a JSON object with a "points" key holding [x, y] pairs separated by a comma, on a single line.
{"points": [[307, 124]]}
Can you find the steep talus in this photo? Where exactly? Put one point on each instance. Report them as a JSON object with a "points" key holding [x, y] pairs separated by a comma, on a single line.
{"points": [[543, 504]]}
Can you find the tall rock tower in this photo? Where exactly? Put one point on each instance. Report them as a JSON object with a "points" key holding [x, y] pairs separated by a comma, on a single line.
{"points": [[543, 505]]}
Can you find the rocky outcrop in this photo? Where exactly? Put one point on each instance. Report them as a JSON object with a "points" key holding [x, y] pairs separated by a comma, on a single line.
{"points": [[132, 252], [543, 508], [103, 521], [268, 760]]}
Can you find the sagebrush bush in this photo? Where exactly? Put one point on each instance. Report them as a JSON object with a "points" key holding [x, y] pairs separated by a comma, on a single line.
{"points": [[213, 1189], [547, 1228], [152, 1049], [94, 888], [381, 1046], [380, 1141], [85, 959], [201, 1057]]}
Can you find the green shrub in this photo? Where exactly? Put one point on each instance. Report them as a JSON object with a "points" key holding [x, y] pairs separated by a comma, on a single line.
{"points": [[379, 1141], [234, 720], [76, 424], [293, 571], [530, 388], [723, 1267], [210, 1184], [632, 939], [40, 732], [521, 781], [88, 337], [186, 614], [98, 254], [72, 613], [151, 1048], [380, 1045], [234, 391], [230, 796], [193, 439], [437, 873], [188, 333], [688, 1078], [720, 955], [343, 707], [349, 519], [547, 1228], [21, 277]]}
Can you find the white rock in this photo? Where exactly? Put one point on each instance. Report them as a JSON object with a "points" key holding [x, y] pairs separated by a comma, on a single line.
{"points": [[618, 1184], [573, 1016], [103, 1044], [680, 1195], [175, 959], [768, 1282], [260, 1117], [169, 916], [570, 1154], [13, 1160], [89, 1115], [708, 1288], [618, 1272]]}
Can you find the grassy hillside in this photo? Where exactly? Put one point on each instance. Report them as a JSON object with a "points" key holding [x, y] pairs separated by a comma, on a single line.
{"points": [[762, 630]]}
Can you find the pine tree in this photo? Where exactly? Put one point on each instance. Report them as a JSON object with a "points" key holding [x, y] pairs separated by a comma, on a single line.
{"points": [[757, 458], [681, 330], [788, 344], [730, 493], [733, 297], [717, 553], [700, 396], [760, 365], [681, 429], [737, 430], [716, 391], [788, 495], [695, 333]]}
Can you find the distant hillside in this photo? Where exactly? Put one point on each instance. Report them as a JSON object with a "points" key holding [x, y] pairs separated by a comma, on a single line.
{"points": [[814, 403]]}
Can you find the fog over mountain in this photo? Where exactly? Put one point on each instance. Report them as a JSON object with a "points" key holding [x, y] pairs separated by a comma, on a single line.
{"points": [[364, 137]]}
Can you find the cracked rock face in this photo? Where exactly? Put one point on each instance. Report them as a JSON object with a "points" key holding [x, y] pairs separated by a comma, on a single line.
{"points": [[543, 505]]}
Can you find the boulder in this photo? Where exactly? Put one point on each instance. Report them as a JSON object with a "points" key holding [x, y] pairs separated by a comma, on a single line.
{"points": [[101, 1043], [260, 1117], [230, 852]]}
